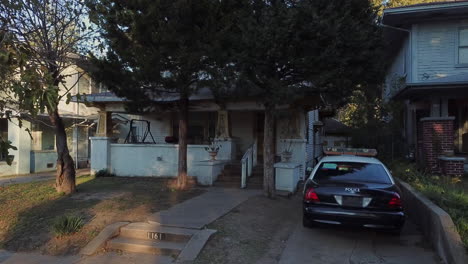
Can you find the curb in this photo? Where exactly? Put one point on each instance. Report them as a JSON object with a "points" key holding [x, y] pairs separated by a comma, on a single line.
{"points": [[100, 240], [436, 225]]}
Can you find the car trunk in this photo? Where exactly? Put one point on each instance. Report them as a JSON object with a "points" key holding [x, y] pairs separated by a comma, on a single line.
{"points": [[355, 195]]}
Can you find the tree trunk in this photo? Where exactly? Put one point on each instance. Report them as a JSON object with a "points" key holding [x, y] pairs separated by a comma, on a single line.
{"points": [[65, 177], [268, 153], [183, 123]]}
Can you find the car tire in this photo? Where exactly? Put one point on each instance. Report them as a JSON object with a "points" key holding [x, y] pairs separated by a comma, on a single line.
{"points": [[306, 222]]}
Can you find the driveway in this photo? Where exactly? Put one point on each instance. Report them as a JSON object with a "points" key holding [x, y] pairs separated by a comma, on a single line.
{"points": [[330, 245]]}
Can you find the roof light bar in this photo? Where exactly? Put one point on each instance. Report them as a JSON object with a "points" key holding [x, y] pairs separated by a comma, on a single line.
{"points": [[330, 151]]}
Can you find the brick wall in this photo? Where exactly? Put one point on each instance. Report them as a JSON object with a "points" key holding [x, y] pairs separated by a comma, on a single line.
{"points": [[419, 142], [452, 167], [437, 137]]}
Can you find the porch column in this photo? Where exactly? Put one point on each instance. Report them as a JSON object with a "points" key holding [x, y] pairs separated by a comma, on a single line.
{"points": [[437, 139], [104, 126], [100, 144], [223, 138], [222, 126]]}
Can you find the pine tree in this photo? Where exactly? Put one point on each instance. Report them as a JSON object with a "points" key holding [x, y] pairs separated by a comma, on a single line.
{"points": [[291, 49], [159, 48]]}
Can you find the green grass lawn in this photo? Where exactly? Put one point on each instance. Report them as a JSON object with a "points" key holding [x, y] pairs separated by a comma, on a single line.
{"points": [[28, 211], [451, 194]]}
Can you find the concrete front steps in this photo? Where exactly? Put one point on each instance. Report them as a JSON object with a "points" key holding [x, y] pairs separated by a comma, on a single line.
{"points": [[150, 238], [231, 176]]}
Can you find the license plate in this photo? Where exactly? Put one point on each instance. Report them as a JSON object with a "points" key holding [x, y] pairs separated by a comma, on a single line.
{"points": [[156, 236], [352, 201]]}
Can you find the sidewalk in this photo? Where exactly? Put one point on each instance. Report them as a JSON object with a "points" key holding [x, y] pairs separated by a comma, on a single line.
{"points": [[200, 211], [41, 176]]}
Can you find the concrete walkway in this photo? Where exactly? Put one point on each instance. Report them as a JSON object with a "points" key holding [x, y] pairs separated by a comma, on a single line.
{"points": [[336, 245], [202, 210], [33, 177]]}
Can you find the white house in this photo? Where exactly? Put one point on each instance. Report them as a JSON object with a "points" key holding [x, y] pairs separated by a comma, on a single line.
{"points": [[428, 48], [38, 154], [147, 146]]}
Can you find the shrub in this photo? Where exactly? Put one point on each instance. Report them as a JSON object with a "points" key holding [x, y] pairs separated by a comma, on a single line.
{"points": [[104, 173], [67, 224]]}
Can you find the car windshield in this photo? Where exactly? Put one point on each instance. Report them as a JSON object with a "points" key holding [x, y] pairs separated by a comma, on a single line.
{"points": [[351, 172]]}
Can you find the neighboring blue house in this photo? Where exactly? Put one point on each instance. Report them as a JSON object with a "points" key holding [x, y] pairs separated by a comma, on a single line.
{"points": [[428, 50]]}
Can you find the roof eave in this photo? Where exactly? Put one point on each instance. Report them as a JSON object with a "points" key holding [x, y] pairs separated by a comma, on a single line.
{"points": [[423, 8]]}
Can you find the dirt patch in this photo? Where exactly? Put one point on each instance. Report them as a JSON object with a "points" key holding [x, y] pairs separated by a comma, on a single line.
{"points": [[254, 232], [29, 210]]}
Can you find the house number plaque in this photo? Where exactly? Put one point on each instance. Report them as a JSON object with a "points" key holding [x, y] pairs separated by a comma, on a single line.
{"points": [[156, 236]]}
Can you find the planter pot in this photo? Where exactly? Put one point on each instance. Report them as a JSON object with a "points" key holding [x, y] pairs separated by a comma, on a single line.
{"points": [[213, 154], [286, 156], [10, 158]]}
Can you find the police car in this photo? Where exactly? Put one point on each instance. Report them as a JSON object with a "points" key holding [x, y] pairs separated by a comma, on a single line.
{"points": [[351, 187]]}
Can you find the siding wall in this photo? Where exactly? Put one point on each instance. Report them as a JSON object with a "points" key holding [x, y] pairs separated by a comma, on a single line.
{"points": [[398, 69], [431, 53], [436, 46]]}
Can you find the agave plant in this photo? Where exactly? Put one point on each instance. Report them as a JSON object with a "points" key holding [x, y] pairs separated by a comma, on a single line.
{"points": [[67, 224]]}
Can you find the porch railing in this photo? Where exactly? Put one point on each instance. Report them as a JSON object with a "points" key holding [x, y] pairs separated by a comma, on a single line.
{"points": [[248, 161]]}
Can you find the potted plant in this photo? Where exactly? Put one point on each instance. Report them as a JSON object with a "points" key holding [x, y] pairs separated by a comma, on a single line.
{"points": [[213, 149], [286, 155]]}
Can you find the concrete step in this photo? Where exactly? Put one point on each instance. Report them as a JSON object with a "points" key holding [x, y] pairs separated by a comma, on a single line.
{"points": [[144, 231], [255, 181], [227, 184], [254, 185], [224, 176], [229, 181], [231, 173], [237, 185], [145, 246], [239, 171]]}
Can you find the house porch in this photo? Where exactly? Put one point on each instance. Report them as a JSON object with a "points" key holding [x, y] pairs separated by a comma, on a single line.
{"points": [[148, 147], [436, 127]]}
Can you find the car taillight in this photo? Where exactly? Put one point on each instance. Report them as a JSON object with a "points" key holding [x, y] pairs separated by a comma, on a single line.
{"points": [[395, 202], [311, 196]]}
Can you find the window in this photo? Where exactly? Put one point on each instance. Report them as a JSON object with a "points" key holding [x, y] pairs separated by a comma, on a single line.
{"points": [[43, 137], [463, 46], [351, 172]]}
